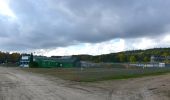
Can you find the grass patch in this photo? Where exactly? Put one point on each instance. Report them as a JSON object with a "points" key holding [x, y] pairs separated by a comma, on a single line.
{"points": [[98, 74]]}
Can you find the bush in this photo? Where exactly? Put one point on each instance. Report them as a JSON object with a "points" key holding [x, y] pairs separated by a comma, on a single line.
{"points": [[33, 65]]}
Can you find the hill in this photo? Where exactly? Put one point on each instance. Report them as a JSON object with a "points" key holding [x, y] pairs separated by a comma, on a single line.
{"points": [[127, 56]]}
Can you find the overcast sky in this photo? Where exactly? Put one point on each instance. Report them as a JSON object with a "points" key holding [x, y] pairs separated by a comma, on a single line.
{"points": [[65, 27]]}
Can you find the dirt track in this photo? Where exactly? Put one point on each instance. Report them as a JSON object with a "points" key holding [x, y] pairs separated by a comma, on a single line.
{"points": [[19, 85]]}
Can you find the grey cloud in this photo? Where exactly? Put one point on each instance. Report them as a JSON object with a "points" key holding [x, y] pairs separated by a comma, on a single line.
{"points": [[55, 23], [7, 27]]}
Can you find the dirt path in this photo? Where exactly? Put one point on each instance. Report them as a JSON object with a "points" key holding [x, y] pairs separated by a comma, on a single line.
{"points": [[19, 85], [147, 88]]}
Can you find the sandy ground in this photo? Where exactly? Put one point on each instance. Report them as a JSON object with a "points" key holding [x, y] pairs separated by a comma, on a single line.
{"points": [[16, 84]]}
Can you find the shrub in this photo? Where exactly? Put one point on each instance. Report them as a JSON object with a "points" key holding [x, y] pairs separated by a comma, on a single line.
{"points": [[33, 65]]}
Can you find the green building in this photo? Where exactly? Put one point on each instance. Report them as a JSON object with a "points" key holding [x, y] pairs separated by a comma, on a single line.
{"points": [[63, 62]]}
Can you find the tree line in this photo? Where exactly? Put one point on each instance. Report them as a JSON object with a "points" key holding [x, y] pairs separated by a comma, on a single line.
{"points": [[120, 57], [6, 57], [127, 56]]}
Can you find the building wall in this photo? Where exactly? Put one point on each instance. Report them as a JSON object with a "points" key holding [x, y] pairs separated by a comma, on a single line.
{"points": [[54, 64], [149, 65], [24, 62]]}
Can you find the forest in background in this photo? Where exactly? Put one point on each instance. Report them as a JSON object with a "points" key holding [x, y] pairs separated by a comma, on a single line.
{"points": [[127, 56], [120, 57], [6, 57]]}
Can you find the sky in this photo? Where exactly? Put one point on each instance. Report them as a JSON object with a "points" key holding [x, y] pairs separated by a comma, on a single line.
{"points": [[71, 27]]}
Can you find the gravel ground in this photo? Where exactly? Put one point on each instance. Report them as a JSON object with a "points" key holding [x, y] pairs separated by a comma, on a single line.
{"points": [[16, 84]]}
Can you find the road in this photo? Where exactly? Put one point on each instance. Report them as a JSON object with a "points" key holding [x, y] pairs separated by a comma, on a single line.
{"points": [[16, 84]]}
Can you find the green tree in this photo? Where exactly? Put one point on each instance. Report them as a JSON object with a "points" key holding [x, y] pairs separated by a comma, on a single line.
{"points": [[2, 57], [132, 59], [31, 61], [14, 57], [165, 54], [31, 58], [122, 57], [146, 59]]}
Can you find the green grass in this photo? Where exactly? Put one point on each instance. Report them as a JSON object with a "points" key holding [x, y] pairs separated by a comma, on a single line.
{"points": [[98, 74]]}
